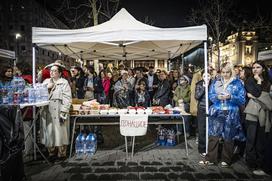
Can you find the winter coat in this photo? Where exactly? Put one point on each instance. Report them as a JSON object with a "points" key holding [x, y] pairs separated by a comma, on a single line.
{"points": [[193, 102], [53, 132], [121, 94], [259, 109], [162, 94], [200, 95], [182, 93], [226, 123], [142, 99]]}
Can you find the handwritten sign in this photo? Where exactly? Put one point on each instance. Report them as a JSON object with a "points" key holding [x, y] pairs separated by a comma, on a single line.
{"points": [[133, 124]]}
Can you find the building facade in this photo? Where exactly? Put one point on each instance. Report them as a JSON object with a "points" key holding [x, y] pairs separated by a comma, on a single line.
{"points": [[16, 21], [240, 48]]}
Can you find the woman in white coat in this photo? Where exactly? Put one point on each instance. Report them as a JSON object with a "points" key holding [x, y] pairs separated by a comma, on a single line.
{"points": [[55, 118]]}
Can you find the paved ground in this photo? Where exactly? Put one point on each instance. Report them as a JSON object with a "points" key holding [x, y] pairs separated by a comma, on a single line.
{"points": [[149, 163]]}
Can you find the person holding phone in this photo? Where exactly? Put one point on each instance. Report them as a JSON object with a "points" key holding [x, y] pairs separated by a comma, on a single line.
{"points": [[224, 121]]}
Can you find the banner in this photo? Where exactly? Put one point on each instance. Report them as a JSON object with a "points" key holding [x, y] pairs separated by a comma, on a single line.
{"points": [[133, 124]]}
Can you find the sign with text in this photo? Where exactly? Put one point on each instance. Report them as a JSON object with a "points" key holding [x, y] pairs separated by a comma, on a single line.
{"points": [[133, 124]]}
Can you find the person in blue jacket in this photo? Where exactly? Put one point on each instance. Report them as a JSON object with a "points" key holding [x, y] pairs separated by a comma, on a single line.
{"points": [[227, 94]]}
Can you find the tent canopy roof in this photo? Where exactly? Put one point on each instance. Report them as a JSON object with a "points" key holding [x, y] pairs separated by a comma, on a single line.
{"points": [[120, 38], [7, 54]]}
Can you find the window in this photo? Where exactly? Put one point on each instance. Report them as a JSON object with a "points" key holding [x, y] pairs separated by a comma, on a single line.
{"points": [[248, 50]]}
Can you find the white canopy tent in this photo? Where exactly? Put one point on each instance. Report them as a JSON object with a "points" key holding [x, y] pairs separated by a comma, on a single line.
{"points": [[7, 54], [121, 38]]}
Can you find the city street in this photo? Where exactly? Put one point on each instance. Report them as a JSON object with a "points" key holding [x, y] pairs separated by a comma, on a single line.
{"points": [[149, 162]]}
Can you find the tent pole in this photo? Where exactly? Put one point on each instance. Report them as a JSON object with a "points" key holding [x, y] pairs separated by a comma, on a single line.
{"points": [[206, 95], [33, 66], [34, 108]]}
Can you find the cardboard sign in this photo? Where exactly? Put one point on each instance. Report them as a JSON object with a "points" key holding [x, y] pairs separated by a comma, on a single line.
{"points": [[133, 124]]}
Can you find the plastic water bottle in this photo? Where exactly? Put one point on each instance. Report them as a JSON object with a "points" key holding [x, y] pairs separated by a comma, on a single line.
{"points": [[44, 93], [37, 93], [79, 145], [10, 94], [161, 140], [171, 138], [31, 95], [91, 144]]}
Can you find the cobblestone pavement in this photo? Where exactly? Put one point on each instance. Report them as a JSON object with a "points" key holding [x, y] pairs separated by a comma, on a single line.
{"points": [[149, 163]]}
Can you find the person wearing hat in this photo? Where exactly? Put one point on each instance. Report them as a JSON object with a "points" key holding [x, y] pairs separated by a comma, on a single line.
{"points": [[182, 95], [121, 91], [45, 72]]}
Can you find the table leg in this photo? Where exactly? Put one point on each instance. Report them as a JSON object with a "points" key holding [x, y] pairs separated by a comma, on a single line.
{"points": [[185, 136], [177, 134], [126, 144], [133, 143], [72, 139], [34, 132]]}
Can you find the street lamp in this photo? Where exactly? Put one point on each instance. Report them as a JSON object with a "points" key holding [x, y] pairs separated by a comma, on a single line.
{"points": [[17, 37]]}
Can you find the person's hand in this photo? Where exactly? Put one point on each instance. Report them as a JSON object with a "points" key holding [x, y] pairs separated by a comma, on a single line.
{"points": [[50, 85], [250, 96], [63, 115], [224, 96], [258, 78], [180, 101]]}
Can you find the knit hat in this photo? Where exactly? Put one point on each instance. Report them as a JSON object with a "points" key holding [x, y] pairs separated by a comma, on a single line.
{"points": [[186, 78], [124, 72]]}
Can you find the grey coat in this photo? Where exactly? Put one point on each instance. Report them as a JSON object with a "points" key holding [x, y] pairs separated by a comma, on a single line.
{"points": [[54, 133], [259, 109]]}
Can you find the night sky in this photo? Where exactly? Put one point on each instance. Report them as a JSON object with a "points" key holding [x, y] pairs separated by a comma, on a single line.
{"points": [[173, 13]]}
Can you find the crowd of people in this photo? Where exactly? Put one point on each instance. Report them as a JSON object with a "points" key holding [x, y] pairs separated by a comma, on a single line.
{"points": [[240, 104]]}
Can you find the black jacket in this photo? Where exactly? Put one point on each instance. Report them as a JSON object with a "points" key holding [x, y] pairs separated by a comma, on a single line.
{"points": [[200, 95], [162, 94]]}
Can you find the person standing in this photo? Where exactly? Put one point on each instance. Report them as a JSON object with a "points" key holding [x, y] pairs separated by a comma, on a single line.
{"points": [[6, 75], [161, 96], [227, 94], [89, 84], [54, 117], [182, 97], [257, 128], [153, 82], [200, 96]]}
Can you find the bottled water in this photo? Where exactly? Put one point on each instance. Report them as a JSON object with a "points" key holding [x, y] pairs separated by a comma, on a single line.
{"points": [[91, 144], [31, 95], [161, 140], [37, 93], [17, 86], [171, 138], [44, 93], [10, 94], [79, 144]]}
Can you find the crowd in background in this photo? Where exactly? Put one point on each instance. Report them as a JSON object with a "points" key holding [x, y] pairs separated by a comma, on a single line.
{"points": [[239, 103]]}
